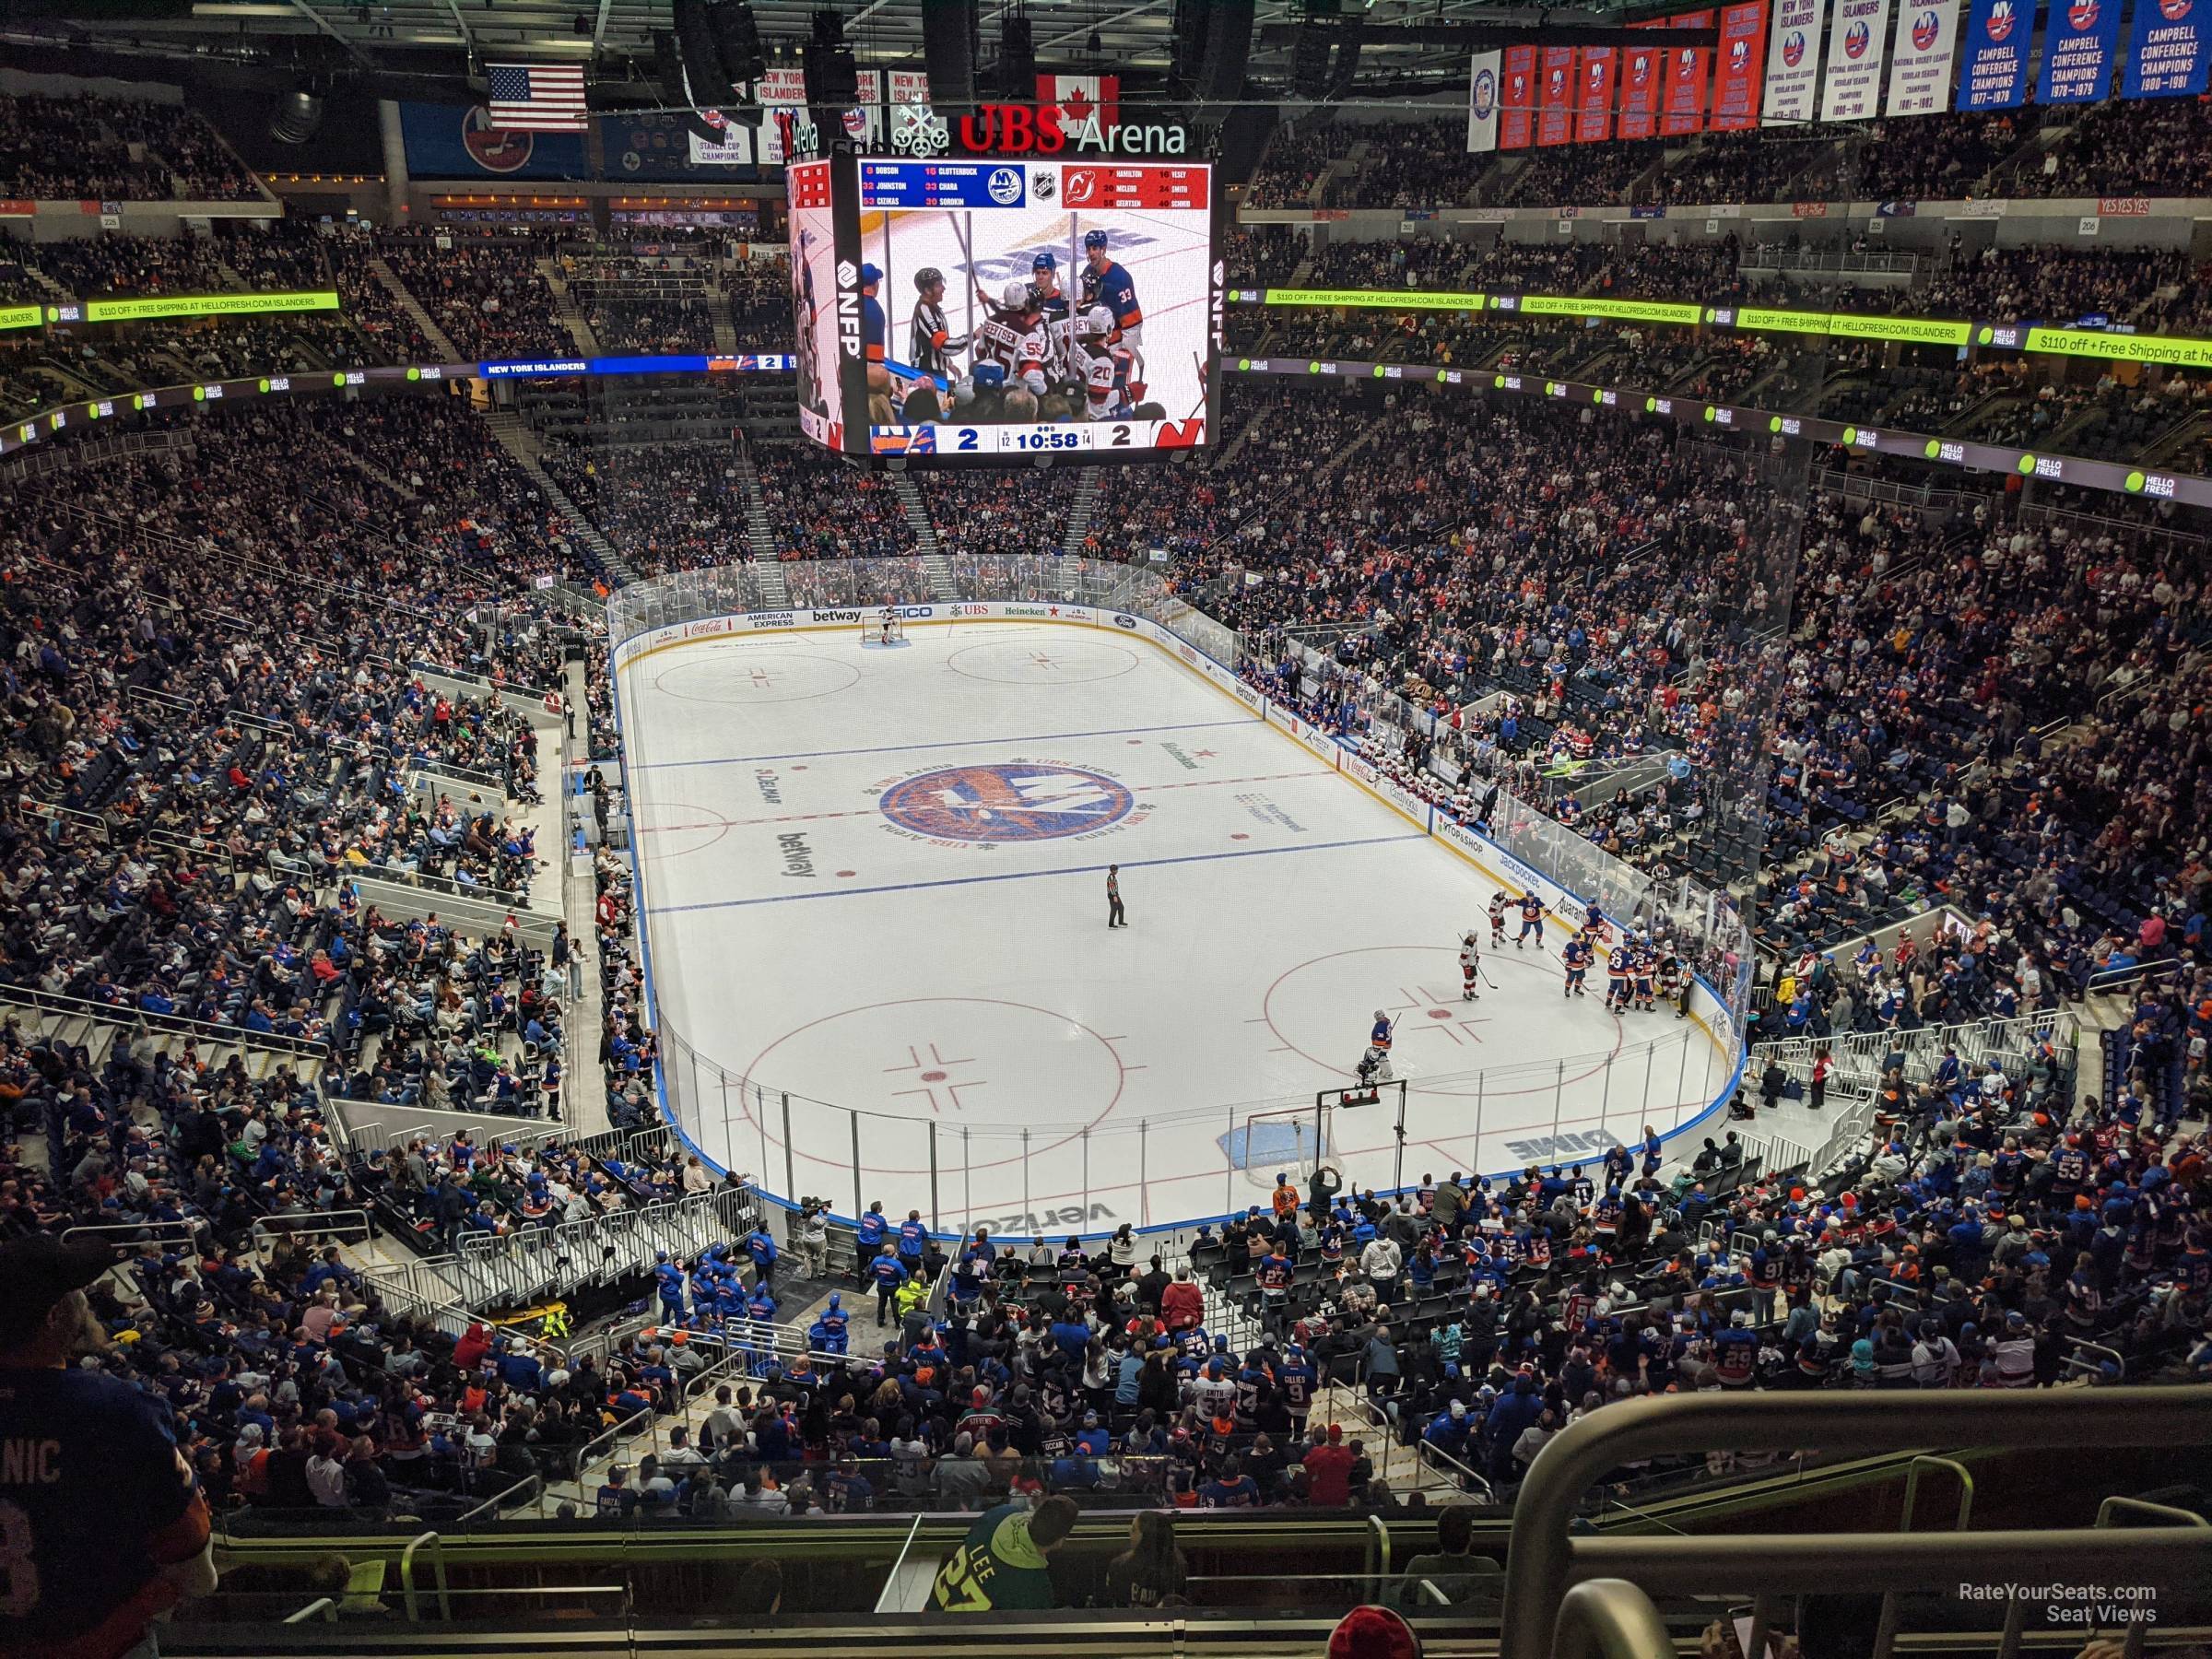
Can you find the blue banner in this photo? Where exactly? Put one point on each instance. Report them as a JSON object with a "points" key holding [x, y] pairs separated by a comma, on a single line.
{"points": [[2078, 44], [458, 141], [1994, 74], [2167, 56]]}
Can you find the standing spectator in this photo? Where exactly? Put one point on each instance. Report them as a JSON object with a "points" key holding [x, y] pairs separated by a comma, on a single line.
{"points": [[1005, 1562], [1151, 1570]]}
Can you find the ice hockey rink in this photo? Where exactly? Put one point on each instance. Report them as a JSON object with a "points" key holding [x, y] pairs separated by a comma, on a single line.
{"points": [[873, 881]]}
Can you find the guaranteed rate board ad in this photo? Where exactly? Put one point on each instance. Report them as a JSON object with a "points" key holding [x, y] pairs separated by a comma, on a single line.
{"points": [[1018, 308]]}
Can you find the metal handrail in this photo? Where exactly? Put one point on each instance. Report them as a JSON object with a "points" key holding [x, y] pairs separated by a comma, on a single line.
{"points": [[1885, 1637], [890, 1581], [174, 1025], [1543, 1559], [1609, 1619], [1378, 1556], [407, 1576], [185, 1230], [324, 1605]]}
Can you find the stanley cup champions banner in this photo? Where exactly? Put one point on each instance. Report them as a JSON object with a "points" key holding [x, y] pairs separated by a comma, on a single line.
{"points": [[1482, 103], [1857, 36], [1922, 58], [1994, 71], [2079, 42], [1794, 62]]}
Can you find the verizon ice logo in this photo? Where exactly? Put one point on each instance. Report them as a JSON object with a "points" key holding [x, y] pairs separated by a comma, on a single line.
{"points": [[848, 308]]}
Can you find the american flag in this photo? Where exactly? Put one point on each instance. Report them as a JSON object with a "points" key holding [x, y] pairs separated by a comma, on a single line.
{"points": [[536, 98]]}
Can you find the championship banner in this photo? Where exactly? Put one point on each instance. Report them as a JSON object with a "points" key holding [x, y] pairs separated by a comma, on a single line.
{"points": [[779, 92], [2167, 56], [1993, 75], [909, 87], [1482, 103], [1555, 111], [1689, 73], [2079, 42], [1517, 103], [1794, 62], [1738, 83], [1641, 69], [1593, 115], [1922, 58], [1855, 39]]}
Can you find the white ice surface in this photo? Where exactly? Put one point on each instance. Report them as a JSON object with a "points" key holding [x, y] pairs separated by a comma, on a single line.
{"points": [[805, 943]]}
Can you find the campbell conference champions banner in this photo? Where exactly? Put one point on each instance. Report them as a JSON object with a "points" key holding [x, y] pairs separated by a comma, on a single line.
{"points": [[1482, 103], [1794, 62], [2167, 56], [2079, 42], [1993, 68], [1857, 36], [1922, 58]]}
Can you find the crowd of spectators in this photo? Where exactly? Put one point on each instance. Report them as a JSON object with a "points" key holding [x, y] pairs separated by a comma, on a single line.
{"points": [[666, 507], [818, 508], [484, 292], [79, 149], [759, 293]]}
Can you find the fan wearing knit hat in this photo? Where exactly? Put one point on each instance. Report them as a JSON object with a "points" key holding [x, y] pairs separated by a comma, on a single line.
{"points": [[1373, 1633]]}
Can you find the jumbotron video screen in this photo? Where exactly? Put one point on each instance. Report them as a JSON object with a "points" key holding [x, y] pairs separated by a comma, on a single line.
{"points": [[995, 308]]}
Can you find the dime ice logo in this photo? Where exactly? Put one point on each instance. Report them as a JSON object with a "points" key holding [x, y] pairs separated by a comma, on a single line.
{"points": [[1010, 801]]}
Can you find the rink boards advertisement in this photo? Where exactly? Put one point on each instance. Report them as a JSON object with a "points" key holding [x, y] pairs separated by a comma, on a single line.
{"points": [[1005, 308], [1471, 844]]}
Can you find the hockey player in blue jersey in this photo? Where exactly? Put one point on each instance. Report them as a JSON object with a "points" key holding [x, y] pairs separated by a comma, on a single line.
{"points": [[1532, 920], [1577, 955], [1108, 284], [1374, 1065]]}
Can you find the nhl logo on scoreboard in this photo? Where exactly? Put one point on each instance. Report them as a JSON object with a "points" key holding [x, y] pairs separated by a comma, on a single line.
{"points": [[915, 132], [1044, 186]]}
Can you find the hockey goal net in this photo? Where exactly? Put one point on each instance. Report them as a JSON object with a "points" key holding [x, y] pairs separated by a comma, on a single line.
{"points": [[887, 627], [1291, 1140]]}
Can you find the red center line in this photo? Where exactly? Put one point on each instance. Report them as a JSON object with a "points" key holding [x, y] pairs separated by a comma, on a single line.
{"points": [[808, 817]]}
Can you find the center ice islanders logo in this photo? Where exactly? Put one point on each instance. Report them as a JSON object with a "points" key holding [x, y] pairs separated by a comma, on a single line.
{"points": [[1008, 800], [2000, 20]]}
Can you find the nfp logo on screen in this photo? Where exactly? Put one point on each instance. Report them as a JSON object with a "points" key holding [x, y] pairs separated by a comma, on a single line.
{"points": [[1793, 46], [1926, 29], [2000, 20], [1007, 801], [1854, 41]]}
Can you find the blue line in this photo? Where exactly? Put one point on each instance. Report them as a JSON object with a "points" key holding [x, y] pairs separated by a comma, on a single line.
{"points": [[900, 748], [1134, 864]]}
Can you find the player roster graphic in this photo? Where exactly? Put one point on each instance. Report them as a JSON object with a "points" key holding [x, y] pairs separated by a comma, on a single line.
{"points": [[1017, 308]]}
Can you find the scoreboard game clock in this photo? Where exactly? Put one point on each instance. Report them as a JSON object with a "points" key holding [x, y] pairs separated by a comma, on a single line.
{"points": [[1001, 309]]}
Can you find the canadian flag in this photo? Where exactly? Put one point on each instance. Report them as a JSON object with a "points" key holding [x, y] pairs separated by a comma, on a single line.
{"points": [[1081, 97]]}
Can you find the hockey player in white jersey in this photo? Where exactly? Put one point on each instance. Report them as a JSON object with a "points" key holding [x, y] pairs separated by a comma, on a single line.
{"points": [[1016, 337], [1470, 966], [1083, 339]]}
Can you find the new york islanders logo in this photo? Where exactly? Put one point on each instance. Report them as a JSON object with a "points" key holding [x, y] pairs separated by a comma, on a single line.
{"points": [[1485, 94], [1558, 83], [2082, 15], [1520, 87], [1793, 48], [1926, 29], [2001, 19], [1739, 55], [1597, 72], [1640, 68], [2173, 11], [1855, 40], [1007, 801], [1686, 62]]}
